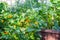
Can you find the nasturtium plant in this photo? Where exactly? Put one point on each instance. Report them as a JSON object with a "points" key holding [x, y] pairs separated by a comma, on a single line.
{"points": [[24, 21]]}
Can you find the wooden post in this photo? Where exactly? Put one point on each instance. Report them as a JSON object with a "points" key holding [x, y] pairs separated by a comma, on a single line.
{"points": [[50, 35]]}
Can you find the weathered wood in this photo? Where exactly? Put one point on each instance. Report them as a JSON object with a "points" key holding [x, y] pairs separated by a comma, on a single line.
{"points": [[50, 35]]}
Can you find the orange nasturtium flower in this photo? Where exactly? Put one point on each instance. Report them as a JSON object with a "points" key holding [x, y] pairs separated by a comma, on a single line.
{"points": [[27, 21], [6, 32]]}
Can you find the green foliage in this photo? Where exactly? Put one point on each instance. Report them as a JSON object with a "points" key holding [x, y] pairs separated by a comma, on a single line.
{"points": [[23, 21]]}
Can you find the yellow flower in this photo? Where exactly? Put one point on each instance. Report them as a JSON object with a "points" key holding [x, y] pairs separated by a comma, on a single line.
{"points": [[28, 24], [14, 26], [21, 23], [22, 29], [10, 16], [2, 21], [36, 23]]}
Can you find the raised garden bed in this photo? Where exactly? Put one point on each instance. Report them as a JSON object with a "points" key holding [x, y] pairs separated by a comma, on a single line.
{"points": [[50, 35]]}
